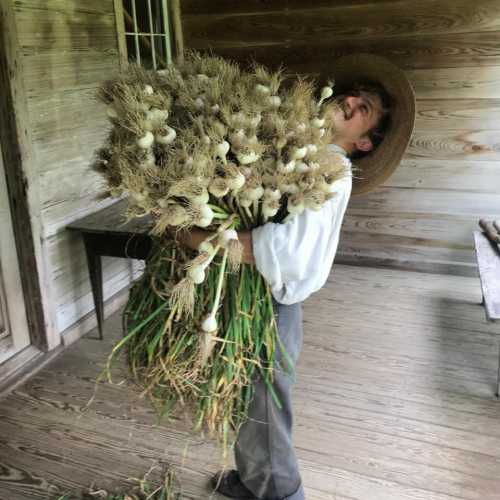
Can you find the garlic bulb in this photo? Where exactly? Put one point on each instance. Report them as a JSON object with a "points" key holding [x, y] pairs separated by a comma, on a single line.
{"points": [[289, 187], [148, 90], [238, 139], [197, 274], [199, 103], [219, 187], [226, 236], [206, 246], [209, 324], [166, 136], [270, 207], [205, 217], [177, 215], [301, 167], [326, 92], [157, 115], [272, 194], [236, 182], [246, 159], [275, 101], [298, 153], [262, 89], [312, 149], [321, 132], [295, 204], [318, 122], [221, 150], [253, 193], [146, 141], [286, 168], [200, 198]]}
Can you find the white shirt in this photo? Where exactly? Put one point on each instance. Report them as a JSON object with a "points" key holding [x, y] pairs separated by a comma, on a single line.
{"points": [[295, 258]]}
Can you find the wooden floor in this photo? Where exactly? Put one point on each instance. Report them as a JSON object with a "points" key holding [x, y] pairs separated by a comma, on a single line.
{"points": [[394, 401]]}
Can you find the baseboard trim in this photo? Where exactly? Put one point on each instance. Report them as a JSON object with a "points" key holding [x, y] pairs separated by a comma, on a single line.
{"points": [[88, 322]]}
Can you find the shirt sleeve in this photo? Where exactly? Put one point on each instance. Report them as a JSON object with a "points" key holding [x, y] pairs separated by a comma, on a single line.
{"points": [[295, 258]]}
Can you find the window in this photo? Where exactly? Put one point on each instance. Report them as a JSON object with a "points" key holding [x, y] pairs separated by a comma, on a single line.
{"points": [[145, 31]]}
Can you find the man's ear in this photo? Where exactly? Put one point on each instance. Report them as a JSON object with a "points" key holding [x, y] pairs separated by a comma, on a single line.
{"points": [[364, 144]]}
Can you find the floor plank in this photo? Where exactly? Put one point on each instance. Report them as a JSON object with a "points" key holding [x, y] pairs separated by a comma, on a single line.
{"points": [[394, 401]]}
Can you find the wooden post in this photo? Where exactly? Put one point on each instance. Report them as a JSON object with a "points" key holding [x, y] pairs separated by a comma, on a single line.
{"points": [[177, 26]]}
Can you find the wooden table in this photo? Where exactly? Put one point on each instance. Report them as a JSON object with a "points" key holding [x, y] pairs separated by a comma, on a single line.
{"points": [[488, 262], [106, 233]]}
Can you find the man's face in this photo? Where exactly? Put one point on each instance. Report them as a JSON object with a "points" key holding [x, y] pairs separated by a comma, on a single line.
{"points": [[357, 116]]}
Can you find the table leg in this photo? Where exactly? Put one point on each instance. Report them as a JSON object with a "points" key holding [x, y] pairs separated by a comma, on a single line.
{"points": [[95, 273]]}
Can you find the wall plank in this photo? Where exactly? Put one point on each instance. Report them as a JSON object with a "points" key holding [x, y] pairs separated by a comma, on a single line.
{"points": [[474, 176], [408, 52], [346, 22]]}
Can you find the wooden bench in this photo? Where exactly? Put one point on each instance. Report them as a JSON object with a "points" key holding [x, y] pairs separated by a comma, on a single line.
{"points": [[106, 233], [488, 262]]}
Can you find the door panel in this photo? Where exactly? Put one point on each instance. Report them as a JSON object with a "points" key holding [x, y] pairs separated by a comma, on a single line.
{"points": [[14, 333]]}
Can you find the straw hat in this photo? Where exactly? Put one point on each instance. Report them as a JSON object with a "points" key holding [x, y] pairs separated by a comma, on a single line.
{"points": [[375, 168]]}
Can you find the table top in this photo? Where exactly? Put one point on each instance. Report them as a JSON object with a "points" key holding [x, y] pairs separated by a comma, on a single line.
{"points": [[112, 220], [488, 262]]}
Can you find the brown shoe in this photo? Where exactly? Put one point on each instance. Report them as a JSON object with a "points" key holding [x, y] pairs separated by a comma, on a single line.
{"points": [[228, 483]]}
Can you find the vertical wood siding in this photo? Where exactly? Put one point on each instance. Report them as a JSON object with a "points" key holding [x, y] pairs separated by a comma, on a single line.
{"points": [[68, 48], [423, 216]]}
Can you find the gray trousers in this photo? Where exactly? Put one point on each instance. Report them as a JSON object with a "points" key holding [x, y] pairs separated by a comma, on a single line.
{"points": [[264, 452]]}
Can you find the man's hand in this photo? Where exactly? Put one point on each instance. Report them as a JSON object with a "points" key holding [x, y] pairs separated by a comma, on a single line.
{"points": [[194, 236]]}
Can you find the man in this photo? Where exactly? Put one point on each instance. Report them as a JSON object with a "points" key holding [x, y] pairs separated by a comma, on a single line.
{"points": [[295, 260]]}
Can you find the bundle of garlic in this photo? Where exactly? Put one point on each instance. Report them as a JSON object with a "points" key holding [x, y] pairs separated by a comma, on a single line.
{"points": [[205, 144]]}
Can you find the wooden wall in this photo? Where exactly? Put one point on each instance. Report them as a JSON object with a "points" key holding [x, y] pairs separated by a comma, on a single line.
{"points": [[423, 216], [68, 47]]}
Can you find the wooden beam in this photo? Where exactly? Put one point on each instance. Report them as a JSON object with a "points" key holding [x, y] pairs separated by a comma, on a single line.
{"points": [[120, 31], [178, 31], [24, 201]]}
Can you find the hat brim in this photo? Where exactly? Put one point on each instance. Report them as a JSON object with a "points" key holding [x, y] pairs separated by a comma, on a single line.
{"points": [[375, 168]]}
